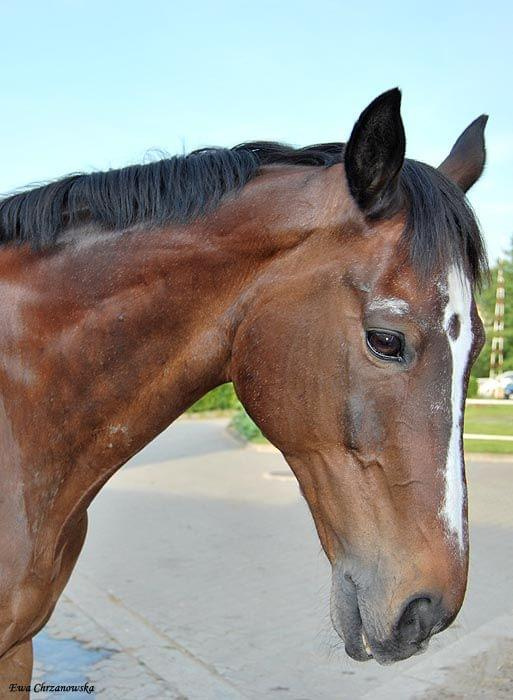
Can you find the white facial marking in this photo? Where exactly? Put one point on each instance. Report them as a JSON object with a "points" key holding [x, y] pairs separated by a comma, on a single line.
{"points": [[396, 306], [113, 429], [459, 304]]}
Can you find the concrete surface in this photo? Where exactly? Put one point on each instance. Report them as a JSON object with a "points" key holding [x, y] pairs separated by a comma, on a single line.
{"points": [[202, 577]]}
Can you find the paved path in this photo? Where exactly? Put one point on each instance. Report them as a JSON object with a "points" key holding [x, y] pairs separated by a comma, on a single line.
{"points": [[202, 577]]}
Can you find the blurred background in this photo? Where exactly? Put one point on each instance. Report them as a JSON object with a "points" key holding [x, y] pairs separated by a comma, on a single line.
{"points": [[89, 85]]}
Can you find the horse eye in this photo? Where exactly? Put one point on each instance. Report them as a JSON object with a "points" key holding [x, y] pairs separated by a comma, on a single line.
{"points": [[387, 345]]}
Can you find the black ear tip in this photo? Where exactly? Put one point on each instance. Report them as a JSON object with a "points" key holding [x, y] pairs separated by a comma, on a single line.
{"points": [[483, 120], [392, 97], [478, 124], [388, 102]]}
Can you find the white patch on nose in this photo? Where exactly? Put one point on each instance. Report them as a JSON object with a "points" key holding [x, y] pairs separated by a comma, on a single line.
{"points": [[396, 306], [459, 304]]}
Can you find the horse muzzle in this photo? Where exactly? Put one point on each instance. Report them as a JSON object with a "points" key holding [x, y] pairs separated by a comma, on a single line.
{"points": [[370, 631]]}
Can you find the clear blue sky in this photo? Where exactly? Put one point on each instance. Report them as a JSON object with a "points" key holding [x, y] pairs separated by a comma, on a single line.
{"points": [[91, 85]]}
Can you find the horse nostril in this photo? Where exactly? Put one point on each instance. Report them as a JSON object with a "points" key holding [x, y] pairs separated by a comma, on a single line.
{"points": [[417, 620]]}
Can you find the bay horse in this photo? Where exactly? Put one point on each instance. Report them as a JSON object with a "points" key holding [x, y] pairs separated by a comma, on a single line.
{"points": [[333, 285]]}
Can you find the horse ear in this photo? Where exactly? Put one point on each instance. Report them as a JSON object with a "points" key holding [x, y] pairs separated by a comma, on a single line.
{"points": [[374, 154], [466, 161]]}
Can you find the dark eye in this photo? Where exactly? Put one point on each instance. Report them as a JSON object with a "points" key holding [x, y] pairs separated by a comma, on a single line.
{"points": [[387, 345]]}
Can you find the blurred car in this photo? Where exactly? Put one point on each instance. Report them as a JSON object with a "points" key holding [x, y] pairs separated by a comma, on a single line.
{"points": [[494, 387], [505, 379], [508, 391]]}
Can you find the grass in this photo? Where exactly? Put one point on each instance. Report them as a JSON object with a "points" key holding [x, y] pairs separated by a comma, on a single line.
{"points": [[489, 447], [489, 420], [485, 420]]}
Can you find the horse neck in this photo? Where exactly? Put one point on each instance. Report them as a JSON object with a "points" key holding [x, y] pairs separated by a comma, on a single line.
{"points": [[158, 325], [135, 327]]}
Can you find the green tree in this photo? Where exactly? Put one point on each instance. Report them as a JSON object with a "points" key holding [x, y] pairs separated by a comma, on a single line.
{"points": [[486, 305]]}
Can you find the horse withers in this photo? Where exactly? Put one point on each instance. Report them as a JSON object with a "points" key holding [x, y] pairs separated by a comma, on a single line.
{"points": [[332, 284]]}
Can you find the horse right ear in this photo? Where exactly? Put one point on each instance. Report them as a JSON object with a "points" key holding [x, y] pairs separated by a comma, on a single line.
{"points": [[374, 155]]}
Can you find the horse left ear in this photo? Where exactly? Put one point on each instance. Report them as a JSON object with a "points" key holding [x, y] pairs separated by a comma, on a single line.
{"points": [[465, 163], [374, 155]]}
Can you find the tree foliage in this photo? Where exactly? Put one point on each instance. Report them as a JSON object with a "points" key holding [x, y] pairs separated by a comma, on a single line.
{"points": [[486, 305]]}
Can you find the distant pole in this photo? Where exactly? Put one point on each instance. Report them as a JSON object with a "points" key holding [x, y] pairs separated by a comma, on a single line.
{"points": [[497, 354]]}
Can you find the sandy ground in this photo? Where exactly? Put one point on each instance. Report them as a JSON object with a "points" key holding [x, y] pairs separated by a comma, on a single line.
{"points": [[202, 577], [488, 676]]}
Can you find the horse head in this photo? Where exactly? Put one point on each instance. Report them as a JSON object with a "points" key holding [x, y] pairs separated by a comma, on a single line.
{"points": [[353, 358]]}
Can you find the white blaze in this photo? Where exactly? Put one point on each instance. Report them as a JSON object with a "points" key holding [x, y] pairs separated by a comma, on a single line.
{"points": [[460, 300]]}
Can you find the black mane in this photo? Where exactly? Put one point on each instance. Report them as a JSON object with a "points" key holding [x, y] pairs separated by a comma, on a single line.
{"points": [[441, 226]]}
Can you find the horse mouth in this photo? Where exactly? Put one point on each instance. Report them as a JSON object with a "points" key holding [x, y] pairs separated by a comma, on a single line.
{"points": [[359, 645], [359, 648], [347, 620], [366, 644]]}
